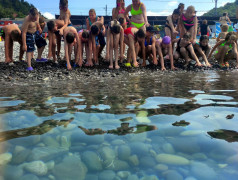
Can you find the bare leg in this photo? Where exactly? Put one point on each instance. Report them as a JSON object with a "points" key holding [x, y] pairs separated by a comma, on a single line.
{"points": [[40, 51], [58, 37], [29, 56], [184, 53], [111, 51], [116, 45]]}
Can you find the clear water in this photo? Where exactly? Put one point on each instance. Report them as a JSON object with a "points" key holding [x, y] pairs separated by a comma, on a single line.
{"points": [[122, 128]]}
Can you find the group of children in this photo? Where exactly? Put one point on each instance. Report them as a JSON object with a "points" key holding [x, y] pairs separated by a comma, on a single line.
{"points": [[134, 32]]}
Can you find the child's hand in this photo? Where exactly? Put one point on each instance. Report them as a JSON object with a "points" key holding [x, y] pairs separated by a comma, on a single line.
{"points": [[24, 48], [173, 68], [208, 65], [198, 64], [163, 69]]}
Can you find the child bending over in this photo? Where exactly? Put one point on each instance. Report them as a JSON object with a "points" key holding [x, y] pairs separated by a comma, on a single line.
{"points": [[223, 33]]}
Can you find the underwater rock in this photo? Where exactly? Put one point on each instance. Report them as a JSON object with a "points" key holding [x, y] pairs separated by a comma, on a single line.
{"points": [[123, 174], [8, 172], [118, 142], [50, 165], [19, 156], [190, 178], [134, 160], [36, 167], [50, 142], [70, 168], [147, 161], [107, 155], [192, 133], [233, 159], [29, 177], [152, 177], [107, 175], [172, 159], [168, 148], [199, 156], [91, 176], [172, 175], [181, 123], [92, 161], [133, 177], [5, 158], [161, 167], [65, 142], [141, 117], [227, 135], [139, 148], [124, 152], [46, 153], [207, 172], [119, 165]]}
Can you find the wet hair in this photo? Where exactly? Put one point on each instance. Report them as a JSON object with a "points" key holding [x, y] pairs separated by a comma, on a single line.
{"points": [[204, 21], [92, 11], [140, 33], [94, 29], [187, 36], [41, 19], [116, 29], [176, 11], [33, 11], [225, 14], [230, 35], [64, 3], [203, 37], [51, 25], [85, 34], [15, 35], [224, 28], [70, 38]]}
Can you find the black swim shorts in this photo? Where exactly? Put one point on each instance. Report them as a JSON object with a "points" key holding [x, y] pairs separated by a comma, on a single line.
{"points": [[30, 42], [40, 41]]}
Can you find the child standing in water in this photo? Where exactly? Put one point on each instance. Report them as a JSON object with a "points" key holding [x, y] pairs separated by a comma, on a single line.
{"points": [[115, 36], [29, 28], [188, 23], [185, 50], [92, 20], [202, 49], [164, 48], [226, 50]]}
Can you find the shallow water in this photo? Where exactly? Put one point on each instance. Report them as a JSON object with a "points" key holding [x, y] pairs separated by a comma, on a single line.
{"points": [[122, 128]]}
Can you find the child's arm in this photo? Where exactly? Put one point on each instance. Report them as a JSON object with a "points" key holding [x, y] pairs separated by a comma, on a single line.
{"points": [[161, 57], [87, 24], [103, 30], [121, 44], [194, 56], [218, 38], [66, 49], [154, 51], [143, 8], [229, 20], [89, 56], [94, 48], [195, 29], [108, 44], [169, 18], [171, 57], [209, 30], [7, 46], [199, 49], [77, 58], [66, 22], [213, 49], [127, 12]]}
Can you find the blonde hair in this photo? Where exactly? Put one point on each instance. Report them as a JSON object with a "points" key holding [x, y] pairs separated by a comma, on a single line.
{"points": [[191, 8], [204, 21], [224, 28]]}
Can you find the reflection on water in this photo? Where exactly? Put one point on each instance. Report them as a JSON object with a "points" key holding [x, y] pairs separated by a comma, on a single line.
{"points": [[152, 126]]}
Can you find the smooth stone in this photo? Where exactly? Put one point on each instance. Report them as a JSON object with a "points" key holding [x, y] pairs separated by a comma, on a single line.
{"points": [[91, 177], [161, 167], [107, 175], [20, 156], [5, 158], [133, 177], [107, 155], [222, 165], [172, 175], [78, 137], [199, 156], [46, 153], [119, 165], [70, 168], [92, 161], [29, 177], [65, 142], [94, 118], [118, 142], [168, 148], [50, 165], [232, 159], [133, 160], [36, 167], [188, 146], [8, 172], [141, 137], [147, 162], [51, 177], [207, 172], [123, 174], [172, 159], [152, 177], [51, 142], [124, 152], [139, 148]]}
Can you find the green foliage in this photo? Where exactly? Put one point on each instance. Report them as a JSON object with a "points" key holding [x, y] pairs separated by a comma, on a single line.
{"points": [[9, 8], [230, 8]]}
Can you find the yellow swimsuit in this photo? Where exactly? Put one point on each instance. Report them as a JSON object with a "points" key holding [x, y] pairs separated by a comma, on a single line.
{"points": [[138, 12]]}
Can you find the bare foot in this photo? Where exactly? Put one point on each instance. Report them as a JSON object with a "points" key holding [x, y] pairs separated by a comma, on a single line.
{"points": [[143, 64], [136, 64], [111, 67], [117, 67], [69, 67], [89, 64]]}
